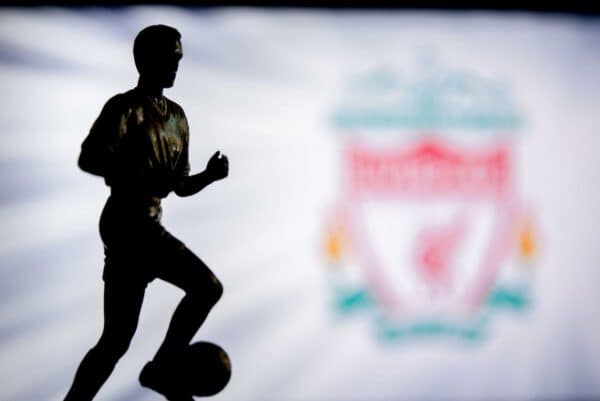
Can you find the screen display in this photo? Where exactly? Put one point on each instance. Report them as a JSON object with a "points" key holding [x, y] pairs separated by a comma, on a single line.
{"points": [[409, 213]]}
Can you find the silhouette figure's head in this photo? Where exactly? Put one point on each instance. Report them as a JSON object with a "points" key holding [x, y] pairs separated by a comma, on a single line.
{"points": [[157, 52]]}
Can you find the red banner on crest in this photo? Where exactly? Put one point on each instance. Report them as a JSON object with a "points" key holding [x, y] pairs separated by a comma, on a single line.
{"points": [[429, 169]]}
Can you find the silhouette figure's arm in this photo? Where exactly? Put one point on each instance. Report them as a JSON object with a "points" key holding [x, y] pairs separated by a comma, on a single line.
{"points": [[216, 169], [192, 184], [98, 151], [95, 162]]}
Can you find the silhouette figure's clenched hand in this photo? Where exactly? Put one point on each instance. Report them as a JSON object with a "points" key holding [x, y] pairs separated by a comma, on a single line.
{"points": [[218, 166]]}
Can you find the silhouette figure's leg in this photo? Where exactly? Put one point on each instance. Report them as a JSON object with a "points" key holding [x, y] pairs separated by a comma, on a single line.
{"points": [[122, 304], [202, 291]]}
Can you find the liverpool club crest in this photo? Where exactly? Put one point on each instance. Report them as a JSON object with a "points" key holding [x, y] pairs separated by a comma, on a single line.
{"points": [[429, 236]]}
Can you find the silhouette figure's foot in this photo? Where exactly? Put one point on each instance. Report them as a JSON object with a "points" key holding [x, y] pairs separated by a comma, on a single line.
{"points": [[159, 378]]}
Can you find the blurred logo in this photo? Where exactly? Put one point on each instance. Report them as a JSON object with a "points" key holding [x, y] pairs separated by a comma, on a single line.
{"points": [[429, 236]]}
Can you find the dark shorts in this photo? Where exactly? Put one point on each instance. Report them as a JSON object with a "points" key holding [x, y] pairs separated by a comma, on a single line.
{"points": [[139, 249]]}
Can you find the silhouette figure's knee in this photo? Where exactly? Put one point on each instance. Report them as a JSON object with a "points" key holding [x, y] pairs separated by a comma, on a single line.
{"points": [[209, 292], [217, 290]]}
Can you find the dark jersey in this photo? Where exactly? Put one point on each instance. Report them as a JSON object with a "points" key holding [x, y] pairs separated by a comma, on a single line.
{"points": [[139, 144]]}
